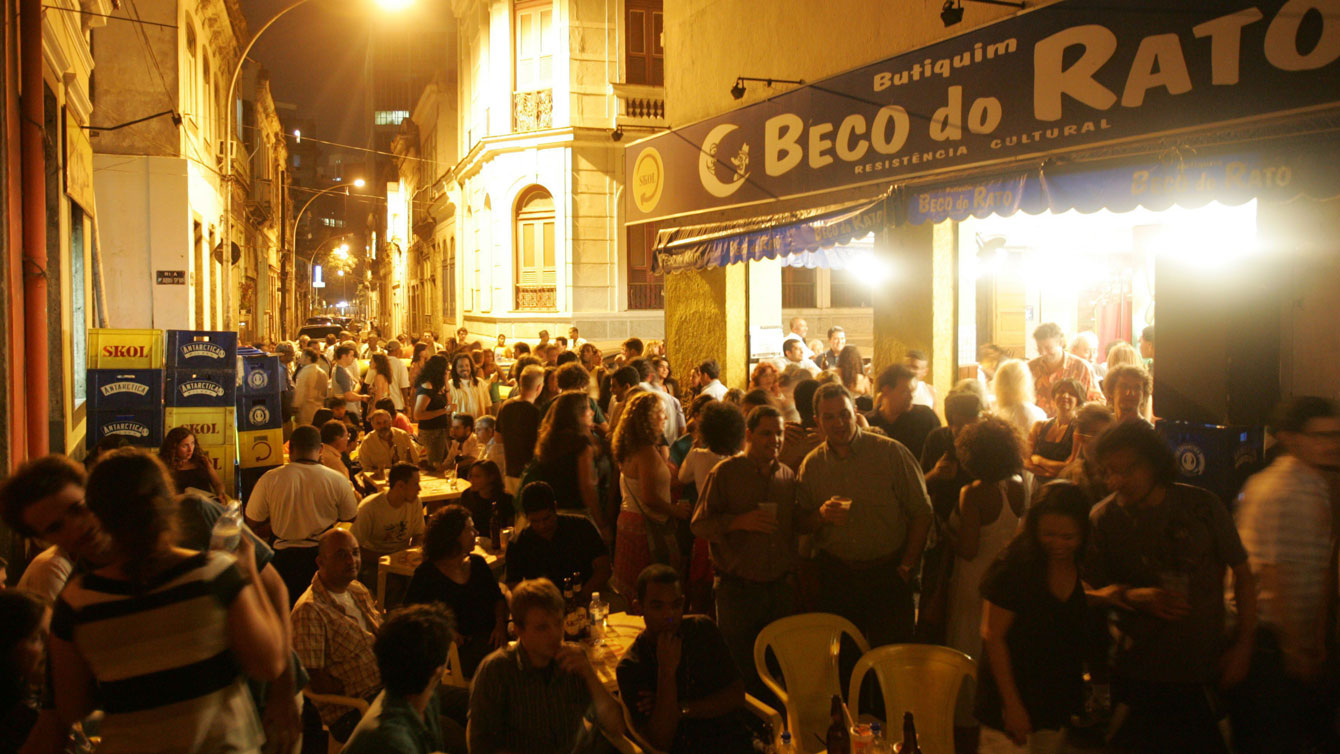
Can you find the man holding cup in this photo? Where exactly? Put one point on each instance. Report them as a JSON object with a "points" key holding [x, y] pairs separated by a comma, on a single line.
{"points": [[866, 496], [747, 513]]}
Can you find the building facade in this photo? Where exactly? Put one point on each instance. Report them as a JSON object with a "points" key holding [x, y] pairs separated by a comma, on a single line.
{"points": [[990, 201], [519, 220]]}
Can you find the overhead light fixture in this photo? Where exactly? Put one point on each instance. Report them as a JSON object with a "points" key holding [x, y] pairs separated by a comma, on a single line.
{"points": [[952, 11], [737, 91]]}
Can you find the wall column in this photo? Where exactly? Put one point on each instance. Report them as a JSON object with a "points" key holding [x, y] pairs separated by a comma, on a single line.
{"points": [[707, 317], [915, 304]]}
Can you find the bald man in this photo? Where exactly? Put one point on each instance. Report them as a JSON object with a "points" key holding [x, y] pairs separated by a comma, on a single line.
{"points": [[334, 626]]}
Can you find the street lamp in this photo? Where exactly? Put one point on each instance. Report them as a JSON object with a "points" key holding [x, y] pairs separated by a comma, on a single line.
{"points": [[227, 178]]}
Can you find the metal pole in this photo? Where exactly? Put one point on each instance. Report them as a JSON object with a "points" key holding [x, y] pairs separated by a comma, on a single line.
{"points": [[34, 228]]}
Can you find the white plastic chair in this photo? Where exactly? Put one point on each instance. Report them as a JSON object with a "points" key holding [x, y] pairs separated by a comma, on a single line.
{"points": [[806, 647], [923, 679], [453, 675]]}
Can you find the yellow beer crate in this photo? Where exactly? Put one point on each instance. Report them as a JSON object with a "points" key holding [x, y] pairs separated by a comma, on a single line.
{"points": [[211, 426], [263, 447], [224, 458], [125, 349]]}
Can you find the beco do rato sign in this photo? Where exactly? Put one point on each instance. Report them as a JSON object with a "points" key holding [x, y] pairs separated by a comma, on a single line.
{"points": [[1062, 77]]}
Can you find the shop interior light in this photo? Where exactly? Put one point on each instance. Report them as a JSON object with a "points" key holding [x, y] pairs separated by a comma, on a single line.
{"points": [[395, 5], [869, 268], [359, 182]]}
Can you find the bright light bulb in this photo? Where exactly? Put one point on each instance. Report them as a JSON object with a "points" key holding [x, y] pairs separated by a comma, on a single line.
{"points": [[359, 182], [340, 273], [394, 5]]}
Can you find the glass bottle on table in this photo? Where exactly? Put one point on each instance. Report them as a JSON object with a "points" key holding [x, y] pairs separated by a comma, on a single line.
{"points": [[838, 740], [909, 735]]}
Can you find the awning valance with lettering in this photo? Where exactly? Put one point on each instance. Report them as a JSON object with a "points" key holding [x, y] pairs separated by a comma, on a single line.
{"points": [[811, 232], [1179, 178]]}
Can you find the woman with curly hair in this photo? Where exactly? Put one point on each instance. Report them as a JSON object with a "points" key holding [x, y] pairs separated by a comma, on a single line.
{"points": [[647, 514], [189, 463], [987, 517], [565, 455], [432, 410], [453, 576], [767, 377]]}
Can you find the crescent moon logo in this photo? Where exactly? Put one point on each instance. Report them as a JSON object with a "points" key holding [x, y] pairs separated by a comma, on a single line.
{"points": [[707, 167]]}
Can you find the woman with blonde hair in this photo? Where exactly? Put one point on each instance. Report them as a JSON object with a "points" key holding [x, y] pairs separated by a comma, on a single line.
{"points": [[1013, 387], [1122, 354], [646, 526]]}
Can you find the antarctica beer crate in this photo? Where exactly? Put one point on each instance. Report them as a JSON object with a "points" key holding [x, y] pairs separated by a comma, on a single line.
{"points": [[260, 374], [205, 388], [202, 349], [261, 448], [116, 389], [256, 412], [142, 427]]}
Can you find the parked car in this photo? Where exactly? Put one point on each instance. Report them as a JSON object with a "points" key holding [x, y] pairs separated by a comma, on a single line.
{"points": [[319, 332]]}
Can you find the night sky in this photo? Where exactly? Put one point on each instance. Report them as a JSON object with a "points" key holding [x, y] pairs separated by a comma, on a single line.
{"points": [[316, 55]]}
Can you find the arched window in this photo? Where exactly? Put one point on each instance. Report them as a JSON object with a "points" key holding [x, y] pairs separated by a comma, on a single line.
{"points": [[536, 278]]}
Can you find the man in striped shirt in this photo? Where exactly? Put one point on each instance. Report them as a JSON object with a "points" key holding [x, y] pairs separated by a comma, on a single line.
{"points": [[1284, 518], [530, 697]]}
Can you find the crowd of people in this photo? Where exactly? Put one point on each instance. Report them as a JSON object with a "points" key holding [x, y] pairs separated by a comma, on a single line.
{"points": [[1038, 528]]}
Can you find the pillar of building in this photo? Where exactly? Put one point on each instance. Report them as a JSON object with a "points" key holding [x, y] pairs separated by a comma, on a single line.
{"points": [[914, 299], [707, 317]]}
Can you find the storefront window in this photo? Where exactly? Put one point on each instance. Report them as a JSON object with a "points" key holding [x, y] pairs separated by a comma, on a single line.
{"points": [[848, 290], [798, 287]]}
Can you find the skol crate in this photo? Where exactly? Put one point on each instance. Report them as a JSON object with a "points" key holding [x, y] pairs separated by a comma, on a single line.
{"points": [[142, 427], [211, 426], [261, 448], [224, 459], [110, 389], [204, 388], [260, 374], [259, 412], [125, 349], [202, 349]]}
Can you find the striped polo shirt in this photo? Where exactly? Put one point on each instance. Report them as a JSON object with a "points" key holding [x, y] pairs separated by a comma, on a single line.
{"points": [[167, 680]]}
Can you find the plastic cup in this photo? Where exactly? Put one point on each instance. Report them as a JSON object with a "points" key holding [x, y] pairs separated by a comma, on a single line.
{"points": [[845, 502]]}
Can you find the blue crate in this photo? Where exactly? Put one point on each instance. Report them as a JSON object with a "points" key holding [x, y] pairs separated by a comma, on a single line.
{"points": [[110, 389], [200, 388], [260, 374], [1216, 458], [143, 427], [247, 479], [259, 412], [202, 349]]}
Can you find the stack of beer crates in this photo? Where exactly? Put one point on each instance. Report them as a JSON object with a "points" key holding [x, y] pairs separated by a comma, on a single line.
{"points": [[201, 392], [261, 380], [125, 386]]}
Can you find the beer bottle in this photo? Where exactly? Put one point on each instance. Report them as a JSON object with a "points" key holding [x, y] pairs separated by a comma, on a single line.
{"points": [[909, 735], [838, 740], [571, 621]]}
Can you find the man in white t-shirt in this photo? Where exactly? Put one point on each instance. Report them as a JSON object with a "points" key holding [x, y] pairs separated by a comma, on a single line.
{"points": [[399, 375], [299, 501], [922, 392], [389, 521]]}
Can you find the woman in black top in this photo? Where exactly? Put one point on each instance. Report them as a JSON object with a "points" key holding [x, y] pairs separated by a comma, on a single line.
{"points": [[565, 456], [486, 492], [1052, 443], [24, 619], [432, 410], [453, 576], [1032, 677], [189, 463]]}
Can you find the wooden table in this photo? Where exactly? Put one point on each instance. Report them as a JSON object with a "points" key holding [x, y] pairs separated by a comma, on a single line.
{"points": [[620, 631], [433, 488], [404, 562]]}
